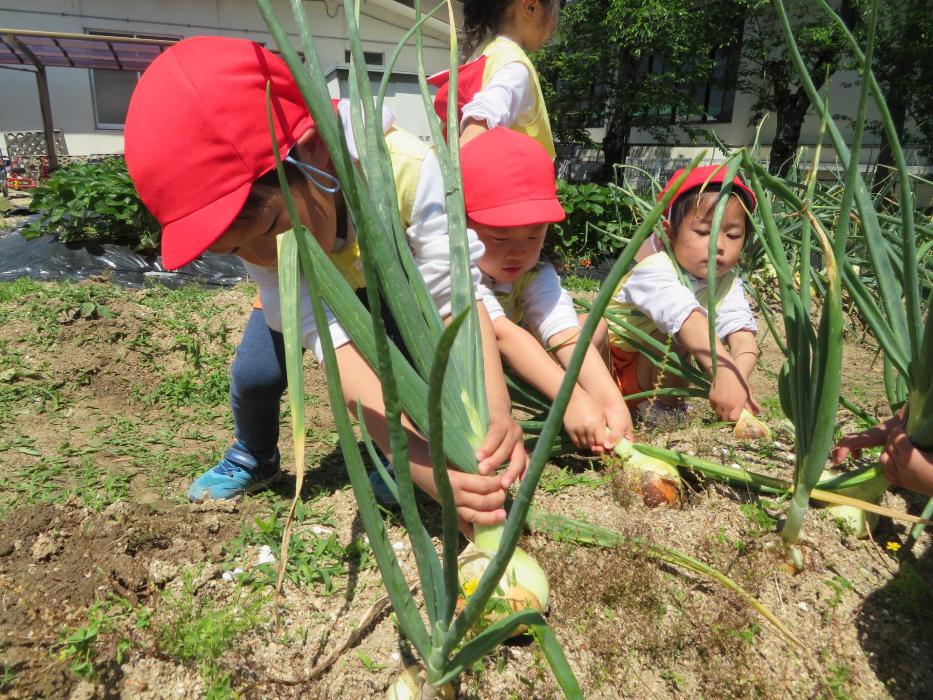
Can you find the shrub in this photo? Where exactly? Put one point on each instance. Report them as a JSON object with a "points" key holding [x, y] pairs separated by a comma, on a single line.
{"points": [[93, 202], [597, 224]]}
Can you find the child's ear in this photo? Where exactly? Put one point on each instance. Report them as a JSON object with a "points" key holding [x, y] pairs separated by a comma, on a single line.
{"points": [[666, 223]]}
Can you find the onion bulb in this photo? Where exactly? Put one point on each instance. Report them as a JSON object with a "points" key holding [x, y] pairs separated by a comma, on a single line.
{"points": [[748, 427], [657, 481], [855, 519], [523, 585], [411, 683]]}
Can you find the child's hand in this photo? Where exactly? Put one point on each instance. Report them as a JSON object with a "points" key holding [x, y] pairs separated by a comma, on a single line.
{"points": [[905, 464], [480, 499], [729, 395], [851, 445], [504, 443], [585, 422], [619, 422]]}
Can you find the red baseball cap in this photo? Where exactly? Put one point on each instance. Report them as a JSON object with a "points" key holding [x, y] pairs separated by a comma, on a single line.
{"points": [[508, 180], [704, 176], [197, 136]]}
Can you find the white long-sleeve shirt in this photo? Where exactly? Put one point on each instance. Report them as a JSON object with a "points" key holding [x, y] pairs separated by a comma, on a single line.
{"points": [[654, 288], [536, 300], [506, 99], [428, 240]]}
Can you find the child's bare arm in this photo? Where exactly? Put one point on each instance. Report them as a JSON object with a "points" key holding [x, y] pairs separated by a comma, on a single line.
{"points": [[594, 377], [852, 444], [743, 347], [583, 418], [729, 393], [480, 499], [504, 440], [906, 464]]}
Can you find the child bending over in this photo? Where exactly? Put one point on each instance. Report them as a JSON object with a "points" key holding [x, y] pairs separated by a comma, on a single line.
{"points": [[199, 150], [511, 197]]}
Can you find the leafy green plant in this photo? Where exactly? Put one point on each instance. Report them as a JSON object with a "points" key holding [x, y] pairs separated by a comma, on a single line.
{"points": [[93, 203], [598, 222]]}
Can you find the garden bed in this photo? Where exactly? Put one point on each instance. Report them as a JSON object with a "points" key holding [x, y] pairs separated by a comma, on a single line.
{"points": [[112, 585]]}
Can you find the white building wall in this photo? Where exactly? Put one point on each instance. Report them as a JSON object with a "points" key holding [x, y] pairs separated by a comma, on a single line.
{"points": [[382, 25]]}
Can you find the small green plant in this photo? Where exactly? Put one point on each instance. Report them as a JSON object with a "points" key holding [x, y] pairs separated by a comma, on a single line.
{"points": [[838, 585], [93, 202], [557, 481], [201, 630], [80, 646], [759, 519], [577, 285], [369, 663]]}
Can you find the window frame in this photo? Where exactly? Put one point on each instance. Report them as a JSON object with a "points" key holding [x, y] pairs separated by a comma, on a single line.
{"points": [[116, 126]]}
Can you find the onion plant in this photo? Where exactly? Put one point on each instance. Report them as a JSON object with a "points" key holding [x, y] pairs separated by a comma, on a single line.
{"points": [[895, 315], [440, 390]]}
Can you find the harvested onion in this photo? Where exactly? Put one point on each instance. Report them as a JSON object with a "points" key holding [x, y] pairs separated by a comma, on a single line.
{"points": [[657, 481]]}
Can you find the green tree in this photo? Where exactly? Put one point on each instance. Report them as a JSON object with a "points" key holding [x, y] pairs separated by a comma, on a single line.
{"points": [[768, 74], [626, 63], [903, 65]]}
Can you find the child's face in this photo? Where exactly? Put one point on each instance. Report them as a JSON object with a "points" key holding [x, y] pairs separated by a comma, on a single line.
{"points": [[252, 235], [691, 241], [509, 251]]}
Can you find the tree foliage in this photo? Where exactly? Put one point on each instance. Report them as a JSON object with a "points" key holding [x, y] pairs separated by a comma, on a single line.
{"points": [[768, 74], [631, 63]]}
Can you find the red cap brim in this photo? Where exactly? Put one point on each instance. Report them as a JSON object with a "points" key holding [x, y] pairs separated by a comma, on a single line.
{"points": [[185, 239], [523, 213]]}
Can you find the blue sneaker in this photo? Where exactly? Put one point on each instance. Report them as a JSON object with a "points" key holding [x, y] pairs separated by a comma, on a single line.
{"points": [[381, 490], [238, 473]]}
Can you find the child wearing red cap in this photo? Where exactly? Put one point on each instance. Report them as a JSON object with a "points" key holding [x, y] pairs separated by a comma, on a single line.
{"points": [[198, 150], [661, 302], [510, 206], [499, 86]]}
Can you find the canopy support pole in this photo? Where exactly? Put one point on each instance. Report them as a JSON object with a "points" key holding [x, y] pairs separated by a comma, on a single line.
{"points": [[45, 104]]}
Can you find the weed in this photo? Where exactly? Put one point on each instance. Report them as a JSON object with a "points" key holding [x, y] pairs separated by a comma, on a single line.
{"points": [[368, 662], [759, 519], [577, 285], [839, 585], [7, 676], [555, 481], [80, 646], [315, 555], [202, 630]]}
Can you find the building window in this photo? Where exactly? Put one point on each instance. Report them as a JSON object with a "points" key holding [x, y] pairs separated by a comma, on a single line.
{"points": [[711, 101], [372, 58], [111, 89]]}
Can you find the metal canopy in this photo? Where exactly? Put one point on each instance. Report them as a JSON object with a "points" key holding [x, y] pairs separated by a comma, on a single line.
{"points": [[59, 50], [41, 50]]}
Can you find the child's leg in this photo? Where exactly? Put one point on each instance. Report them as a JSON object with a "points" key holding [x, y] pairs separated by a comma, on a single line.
{"points": [[647, 375], [257, 382]]}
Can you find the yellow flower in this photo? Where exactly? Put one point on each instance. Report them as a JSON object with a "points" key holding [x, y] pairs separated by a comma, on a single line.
{"points": [[893, 546], [469, 587]]}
